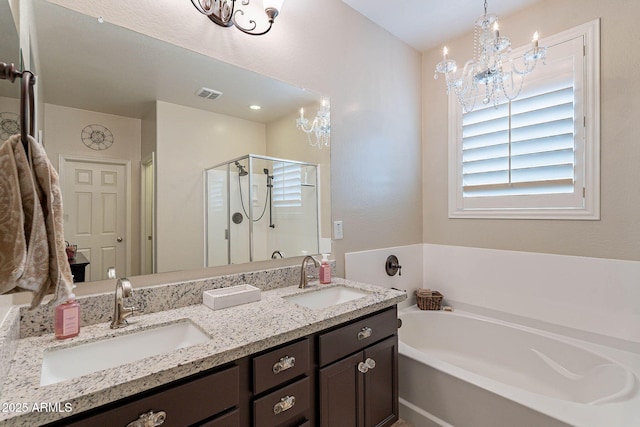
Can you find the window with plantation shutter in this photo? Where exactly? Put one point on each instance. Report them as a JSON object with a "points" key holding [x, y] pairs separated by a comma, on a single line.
{"points": [[286, 185], [536, 156]]}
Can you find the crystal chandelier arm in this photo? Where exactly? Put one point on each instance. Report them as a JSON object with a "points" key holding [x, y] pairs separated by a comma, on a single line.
{"points": [[530, 60], [302, 122], [457, 81]]}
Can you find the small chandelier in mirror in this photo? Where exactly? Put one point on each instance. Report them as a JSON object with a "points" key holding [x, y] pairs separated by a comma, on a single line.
{"points": [[224, 12], [319, 132], [492, 66]]}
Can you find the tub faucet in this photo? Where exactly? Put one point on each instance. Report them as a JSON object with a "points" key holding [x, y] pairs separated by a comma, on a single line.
{"points": [[120, 312], [303, 270]]}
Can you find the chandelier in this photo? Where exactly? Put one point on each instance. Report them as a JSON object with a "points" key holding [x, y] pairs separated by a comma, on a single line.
{"points": [[224, 12], [320, 127], [492, 70]]}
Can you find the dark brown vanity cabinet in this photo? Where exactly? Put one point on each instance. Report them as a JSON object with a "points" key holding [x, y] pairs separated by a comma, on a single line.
{"points": [[360, 389], [344, 376]]}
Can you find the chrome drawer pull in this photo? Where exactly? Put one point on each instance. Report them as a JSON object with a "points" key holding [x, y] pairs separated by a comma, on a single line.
{"points": [[149, 419], [285, 404], [364, 333], [283, 364]]}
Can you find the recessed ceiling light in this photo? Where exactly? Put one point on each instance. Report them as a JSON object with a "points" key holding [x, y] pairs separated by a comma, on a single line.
{"points": [[255, 107]]}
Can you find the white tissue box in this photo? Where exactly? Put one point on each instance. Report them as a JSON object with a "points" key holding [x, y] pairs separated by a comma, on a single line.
{"points": [[217, 299]]}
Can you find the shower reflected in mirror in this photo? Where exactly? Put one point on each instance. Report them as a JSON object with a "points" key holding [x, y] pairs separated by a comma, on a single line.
{"points": [[269, 192]]}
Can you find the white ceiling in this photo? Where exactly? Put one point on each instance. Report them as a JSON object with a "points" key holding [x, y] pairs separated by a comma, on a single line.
{"points": [[425, 24]]}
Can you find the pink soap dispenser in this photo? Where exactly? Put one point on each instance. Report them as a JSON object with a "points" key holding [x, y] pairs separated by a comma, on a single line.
{"points": [[325, 270], [67, 318]]}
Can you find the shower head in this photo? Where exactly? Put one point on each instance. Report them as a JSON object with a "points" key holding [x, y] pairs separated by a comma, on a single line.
{"points": [[242, 171]]}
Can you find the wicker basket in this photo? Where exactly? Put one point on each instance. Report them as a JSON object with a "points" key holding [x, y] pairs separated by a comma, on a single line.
{"points": [[428, 300]]}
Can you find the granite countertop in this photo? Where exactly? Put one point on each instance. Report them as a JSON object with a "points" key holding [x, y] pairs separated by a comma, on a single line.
{"points": [[235, 333]]}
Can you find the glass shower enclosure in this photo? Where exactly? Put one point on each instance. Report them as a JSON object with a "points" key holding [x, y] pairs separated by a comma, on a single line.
{"points": [[259, 208]]}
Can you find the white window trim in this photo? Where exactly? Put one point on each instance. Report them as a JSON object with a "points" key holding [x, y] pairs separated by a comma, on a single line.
{"points": [[591, 107]]}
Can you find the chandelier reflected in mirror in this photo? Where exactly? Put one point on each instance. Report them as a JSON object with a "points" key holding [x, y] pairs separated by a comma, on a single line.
{"points": [[319, 132], [492, 74], [225, 13]]}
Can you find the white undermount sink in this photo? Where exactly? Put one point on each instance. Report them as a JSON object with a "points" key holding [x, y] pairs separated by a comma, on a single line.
{"points": [[75, 361], [326, 297]]}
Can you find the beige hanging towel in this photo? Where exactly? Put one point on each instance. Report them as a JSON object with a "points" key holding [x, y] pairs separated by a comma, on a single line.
{"points": [[32, 247]]}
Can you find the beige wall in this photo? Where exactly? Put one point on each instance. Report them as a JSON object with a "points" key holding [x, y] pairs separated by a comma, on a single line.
{"points": [[373, 81], [617, 234], [213, 139]]}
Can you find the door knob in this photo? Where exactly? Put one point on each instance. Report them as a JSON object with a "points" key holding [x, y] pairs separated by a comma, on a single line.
{"points": [[119, 239]]}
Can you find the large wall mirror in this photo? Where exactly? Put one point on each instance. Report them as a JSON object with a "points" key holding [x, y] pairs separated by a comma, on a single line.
{"points": [[9, 93], [133, 123]]}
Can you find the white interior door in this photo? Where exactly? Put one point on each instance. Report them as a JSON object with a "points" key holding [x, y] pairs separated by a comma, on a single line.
{"points": [[94, 194]]}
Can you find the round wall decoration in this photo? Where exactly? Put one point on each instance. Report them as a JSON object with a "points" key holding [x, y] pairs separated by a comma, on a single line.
{"points": [[9, 125], [97, 137]]}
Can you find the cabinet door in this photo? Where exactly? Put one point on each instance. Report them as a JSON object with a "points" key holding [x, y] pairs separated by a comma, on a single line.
{"points": [[381, 384], [340, 389]]}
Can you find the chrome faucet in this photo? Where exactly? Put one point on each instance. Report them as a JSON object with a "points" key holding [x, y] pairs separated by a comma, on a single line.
{"points": [[275, 253], [303, 270], [120, 312]]}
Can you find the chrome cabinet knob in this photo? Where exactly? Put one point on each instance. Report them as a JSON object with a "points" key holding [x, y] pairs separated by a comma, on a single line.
{"points": [[364, 333], [283, 364], [370, 363], [366, 365], [149, 419], [285, 404]]}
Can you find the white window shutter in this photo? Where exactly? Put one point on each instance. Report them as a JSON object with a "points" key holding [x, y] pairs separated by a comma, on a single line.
{"points": [[528, 157], [286, 185]]}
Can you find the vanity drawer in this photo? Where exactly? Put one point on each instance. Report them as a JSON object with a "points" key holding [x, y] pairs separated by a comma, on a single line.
{"points": [[280, 365], [184, 404], [282, 405], [232, 419], [353, 337]]}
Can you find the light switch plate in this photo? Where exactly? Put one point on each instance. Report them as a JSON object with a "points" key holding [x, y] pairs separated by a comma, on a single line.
{"points": [[337, 230]]}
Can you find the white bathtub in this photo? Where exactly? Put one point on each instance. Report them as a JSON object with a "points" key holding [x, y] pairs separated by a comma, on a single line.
{"points": [[462, 369]]}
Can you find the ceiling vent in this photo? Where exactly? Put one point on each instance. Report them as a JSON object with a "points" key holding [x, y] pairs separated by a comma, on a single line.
{"points": [[204, 92]]}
